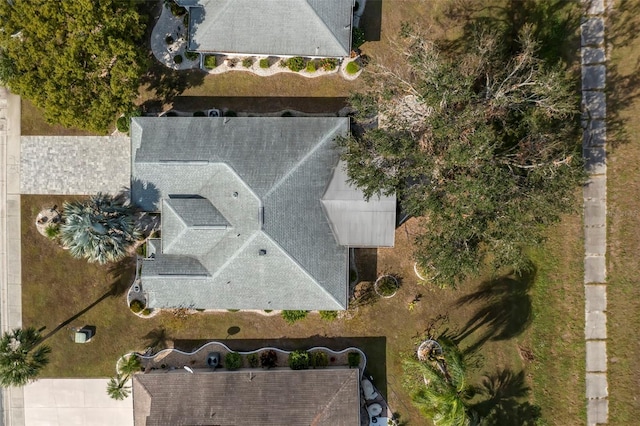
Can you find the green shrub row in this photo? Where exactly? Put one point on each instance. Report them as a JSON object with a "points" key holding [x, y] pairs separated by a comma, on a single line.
{"points": [[293, 316]]}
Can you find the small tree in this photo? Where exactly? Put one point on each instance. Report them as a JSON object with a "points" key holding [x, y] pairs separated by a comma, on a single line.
{"points": [[100, 229], [130, 365], [117, 388], [22, 357]]}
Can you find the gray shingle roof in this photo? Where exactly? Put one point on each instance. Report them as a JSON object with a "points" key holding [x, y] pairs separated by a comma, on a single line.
{"points": [[265, 177], [327, 397], [275, 27]]}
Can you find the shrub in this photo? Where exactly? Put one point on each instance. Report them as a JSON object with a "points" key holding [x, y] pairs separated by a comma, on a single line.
{"points": [[329, 315], [185, 20], [136, 306], [233, 361], [268, 359], [299, 360], [176, 10], [268, 311], [210, 62], [247, 62], [353, 275], [199, 114], [387, 286], [177, 59], [319, 360], [233, 310], [296, 63], [287, 114], [122, 124], [171, 114], [311, 66], [264, 63], [146, 312], [230, 113], [52, 231], [253, 360], [353, 359], [168, 39], [192, 56], [293, 316], [357, 38], [329, 64], [352, 67]]}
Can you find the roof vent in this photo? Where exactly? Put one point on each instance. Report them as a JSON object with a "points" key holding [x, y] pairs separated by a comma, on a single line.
{"points": [[235, 195], [262, 252]]}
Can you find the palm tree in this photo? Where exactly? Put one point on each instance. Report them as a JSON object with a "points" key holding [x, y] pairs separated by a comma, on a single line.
{"points": [[439, 388], [21, 356], [116, 387], [129, 364], [100, 229]]}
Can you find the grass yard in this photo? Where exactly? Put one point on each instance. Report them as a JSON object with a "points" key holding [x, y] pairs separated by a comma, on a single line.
{"points": [[623, 180]]}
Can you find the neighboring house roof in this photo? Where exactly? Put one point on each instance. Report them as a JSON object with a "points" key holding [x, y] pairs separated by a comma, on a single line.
{"points": [[279, 27], [243, 226], [323, 397]]}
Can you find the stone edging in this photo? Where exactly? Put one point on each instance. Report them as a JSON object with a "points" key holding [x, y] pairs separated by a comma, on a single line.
{"points": [[363, 357]]}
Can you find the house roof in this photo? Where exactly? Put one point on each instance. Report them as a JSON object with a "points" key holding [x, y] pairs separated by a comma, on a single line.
{"points": [[243, 222], [263, 397], [277, 27]]}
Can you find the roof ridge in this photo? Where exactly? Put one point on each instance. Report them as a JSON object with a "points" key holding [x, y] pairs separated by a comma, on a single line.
{"points": [[184, 226], [327, 27], [323, 412], [302, 160]]}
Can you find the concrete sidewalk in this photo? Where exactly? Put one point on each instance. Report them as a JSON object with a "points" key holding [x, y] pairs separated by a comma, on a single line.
{"points": [[10, 253]]}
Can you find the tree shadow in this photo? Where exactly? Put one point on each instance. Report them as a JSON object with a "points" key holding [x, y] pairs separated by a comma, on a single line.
{"points": [[505, 311], [157, 339], [503, 400], [122, 274], [623, 80]]}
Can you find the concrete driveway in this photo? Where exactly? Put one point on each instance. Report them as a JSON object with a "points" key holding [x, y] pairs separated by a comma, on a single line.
{"points": [[58, 402]]}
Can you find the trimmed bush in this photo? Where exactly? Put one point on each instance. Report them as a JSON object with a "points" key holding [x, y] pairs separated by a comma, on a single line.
{"points": [[146, 312], [353, 359], [230, 113], [268, 359], [328, 315], [233, 310], [177, 59], [387, 286], [296, 63], [264, 63], [247, 62], [52, 231], [293, 316], [299, 360], [253, 360], [329, 64], [311, 66], [168, 39], [210, 62], [319, 360], [352, 67], [357, 38], [199, 114], [233, 361], [192, 56], [122, 124], [136, 306], [287, 114]]}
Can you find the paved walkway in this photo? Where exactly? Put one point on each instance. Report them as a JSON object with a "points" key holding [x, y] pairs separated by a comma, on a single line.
{"points": [[594, 58], [10, 266]]}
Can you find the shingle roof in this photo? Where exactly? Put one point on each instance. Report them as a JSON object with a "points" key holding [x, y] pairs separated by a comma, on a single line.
{"points": [[275, 27], [323, 397], [265, 177]]}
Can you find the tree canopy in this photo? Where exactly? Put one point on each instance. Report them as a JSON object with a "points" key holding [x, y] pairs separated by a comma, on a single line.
{"points": [[483, 144], [80, 61], [100, 229], [21, 356]]}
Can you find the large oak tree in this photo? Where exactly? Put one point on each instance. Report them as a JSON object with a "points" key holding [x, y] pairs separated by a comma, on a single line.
{"points": [[80, 61], [484, 144]]}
